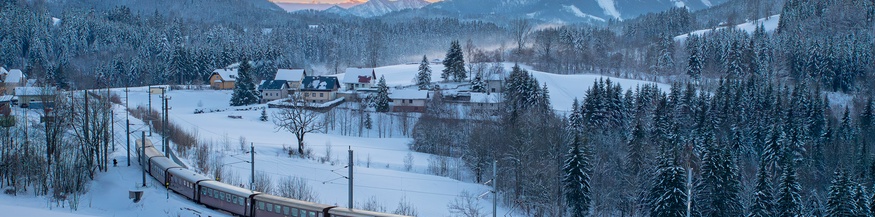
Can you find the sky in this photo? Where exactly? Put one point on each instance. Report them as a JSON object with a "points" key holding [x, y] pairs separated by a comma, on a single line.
{"points": [[327, 1]]}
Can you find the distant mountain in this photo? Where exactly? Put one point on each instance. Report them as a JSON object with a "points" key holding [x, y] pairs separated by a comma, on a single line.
{"points": [[337, 10], [290, 7], [374, 8], [566, 11]]}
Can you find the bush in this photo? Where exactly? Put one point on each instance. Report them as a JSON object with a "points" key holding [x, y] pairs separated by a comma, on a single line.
{"points": [[296, 188]]}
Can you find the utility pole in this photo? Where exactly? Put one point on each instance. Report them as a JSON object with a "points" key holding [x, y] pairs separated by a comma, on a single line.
{"points": [[149, 110], [252, 162], [128, 126], [143, 155], [689, 191], [494, 188], [350, 178], [164, 123]]}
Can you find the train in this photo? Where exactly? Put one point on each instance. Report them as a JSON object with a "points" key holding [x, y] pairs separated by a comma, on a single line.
{"points": [[233, 199]]}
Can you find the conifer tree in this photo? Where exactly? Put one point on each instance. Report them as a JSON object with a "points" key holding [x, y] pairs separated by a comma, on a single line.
{"points": [[789, 202], [381, 102], [263, 116], [423, 78], [763, 205], [694, 65], [369, 123], [577, 176], [720, 184], [477, 84], [454, 64], [861, 200], [669, 194], [841, 198], [244, 87]]}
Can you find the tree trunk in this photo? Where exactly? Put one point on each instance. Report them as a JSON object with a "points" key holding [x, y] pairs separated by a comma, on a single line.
{"points": [[301, 145]]}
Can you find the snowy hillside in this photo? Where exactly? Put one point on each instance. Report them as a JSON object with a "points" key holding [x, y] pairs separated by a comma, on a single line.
{"points": [[375, 8], [769, 23], [567, 11]]}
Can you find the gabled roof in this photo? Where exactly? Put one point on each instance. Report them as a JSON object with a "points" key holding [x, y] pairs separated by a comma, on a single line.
{"points": [[273, 85], [6, 98], [35, 91], [227, 74], [486, 98], [319, 83], [359, 76], [409, 94], [3, 71], [294, 75], [14, 76]]}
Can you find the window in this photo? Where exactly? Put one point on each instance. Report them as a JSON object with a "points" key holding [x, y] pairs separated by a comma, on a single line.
{"points": [[269, 207], [294, 212], [306, 94], [321, 94], [312, 214], [285, 210], [276, 209], [260, 205], [228, 198], [411, 101]]}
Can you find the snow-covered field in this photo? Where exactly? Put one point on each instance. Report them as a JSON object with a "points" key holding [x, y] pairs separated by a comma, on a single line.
{"points": [[769, 23], [380, 171]]}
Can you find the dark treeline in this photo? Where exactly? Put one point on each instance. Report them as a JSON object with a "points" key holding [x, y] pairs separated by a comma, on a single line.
{"points": [[83, 48]]}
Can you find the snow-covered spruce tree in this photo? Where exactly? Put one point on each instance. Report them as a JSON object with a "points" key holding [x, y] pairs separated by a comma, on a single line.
{"points": [[841, 197], [694, 64], [668, 197], [763, 204], [454, 64], [244, 87], [575, 119], [263, 115], [861, 200], [423, 78], [789, 202], [577, 176], [477, 84], [369, 123], [720, 184], [381, 102]]}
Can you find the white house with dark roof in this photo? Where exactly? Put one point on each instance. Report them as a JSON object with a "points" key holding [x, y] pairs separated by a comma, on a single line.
{"points": [[223, 79], [359, 78], [408, 100], [273, 90], [292, 76], [36, 97], [319, 89]]}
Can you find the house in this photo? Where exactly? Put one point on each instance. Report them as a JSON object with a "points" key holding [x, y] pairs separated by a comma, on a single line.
{"points": [[319, 89], [292, 77], [494, 83], [485, 102], [408, 100], [12, 79], [36, 97], [223, 79], [359, 78], [273, 90]]}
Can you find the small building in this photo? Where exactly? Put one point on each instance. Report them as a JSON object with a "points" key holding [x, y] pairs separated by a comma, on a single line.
{"points": [[494, 83], [488, 103], [319, 89], [292, 76], [12, 79], [273, 90], [36, 97], [409, 100], [5, 105], [359, 78], [223, 79]]}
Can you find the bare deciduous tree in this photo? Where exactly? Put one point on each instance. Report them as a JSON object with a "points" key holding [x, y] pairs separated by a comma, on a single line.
{"points": [[299, 120], [465, 205]]}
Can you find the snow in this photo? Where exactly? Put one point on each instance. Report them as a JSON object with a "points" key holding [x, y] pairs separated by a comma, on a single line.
{"points": [[379, 162], [285, 102], [56, 21], [707, 3], [14, 76], [34, 91], [770, 23], [408, 94], [355, 73], [486, 98], [610, 8], [227, 74], [289, 74], [579, 13], [679, 3]]}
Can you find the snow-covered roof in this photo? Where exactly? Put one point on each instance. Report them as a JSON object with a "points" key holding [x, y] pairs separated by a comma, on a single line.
{"points": [[3, 71], [409, 94], [319, 83], [30, 83], [227, 74], [6, 98], [486, 98], [359, 76], [272, 85], [14, 76], [290, 74], [34, 91]]}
